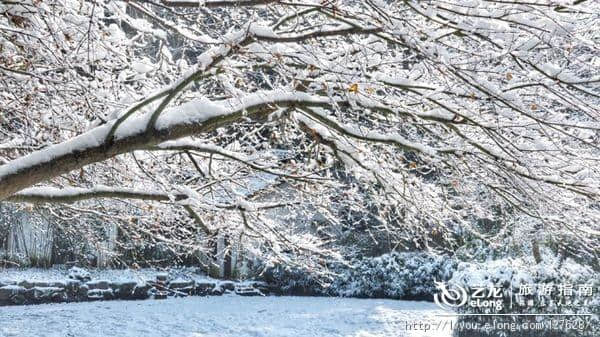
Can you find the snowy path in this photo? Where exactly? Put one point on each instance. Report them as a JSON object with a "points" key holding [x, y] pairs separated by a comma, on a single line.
{"points": [[233, 316]]}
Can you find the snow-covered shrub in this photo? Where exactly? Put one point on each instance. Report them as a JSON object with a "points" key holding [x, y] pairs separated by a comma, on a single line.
{"points": [[287, 280], [395, 275], [408, 275]]}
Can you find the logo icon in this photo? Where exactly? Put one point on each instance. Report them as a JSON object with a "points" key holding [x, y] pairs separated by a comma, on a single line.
{"points": [[448, 298]]}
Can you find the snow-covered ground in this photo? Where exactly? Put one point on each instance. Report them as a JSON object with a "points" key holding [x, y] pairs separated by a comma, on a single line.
{"points": [[228, 315]]}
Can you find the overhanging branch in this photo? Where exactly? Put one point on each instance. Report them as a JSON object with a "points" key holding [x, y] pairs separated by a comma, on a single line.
{"points": [[38, 195], [200, 117]]}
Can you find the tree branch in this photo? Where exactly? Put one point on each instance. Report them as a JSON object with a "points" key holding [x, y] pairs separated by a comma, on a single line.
{"points": [[217, 3], [192, 118], [37, 195]]}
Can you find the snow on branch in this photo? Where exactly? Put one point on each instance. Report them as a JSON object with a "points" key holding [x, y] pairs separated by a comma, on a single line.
{"points": [[73, 194], [370, 136], [195, 117], [216, 3]]}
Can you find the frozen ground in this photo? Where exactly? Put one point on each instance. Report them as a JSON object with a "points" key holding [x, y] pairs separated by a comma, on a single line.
{"points": [[233, 316]]}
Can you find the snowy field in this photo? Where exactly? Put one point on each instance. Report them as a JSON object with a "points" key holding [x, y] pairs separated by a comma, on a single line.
{"points": [[230, 315]]}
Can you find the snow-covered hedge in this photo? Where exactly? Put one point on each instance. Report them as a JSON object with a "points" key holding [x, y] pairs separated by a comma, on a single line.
{"points": [[395, 275], [408, 275], [287, 280]]}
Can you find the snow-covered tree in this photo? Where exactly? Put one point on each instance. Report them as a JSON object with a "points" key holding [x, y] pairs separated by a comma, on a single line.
{"points": [[417, 117]]}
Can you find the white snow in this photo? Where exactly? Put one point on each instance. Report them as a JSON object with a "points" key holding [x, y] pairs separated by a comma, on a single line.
{"points": [[262, 31], [200, 110], [87, 140], [222, 316], [142, 66], [55, 192]]}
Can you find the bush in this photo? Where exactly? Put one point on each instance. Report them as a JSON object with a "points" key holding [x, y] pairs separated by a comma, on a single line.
{"points": [[395, 275], [286, 280]]}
